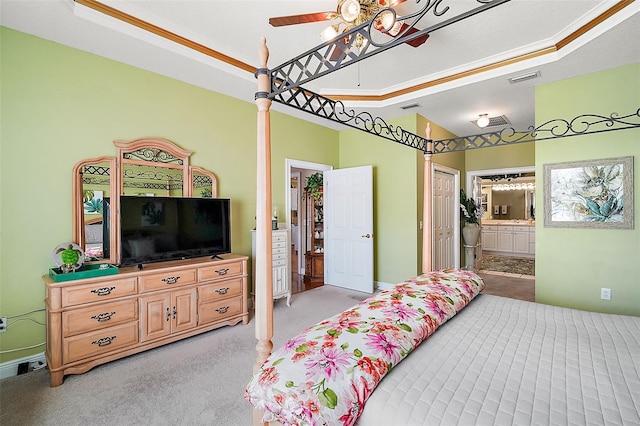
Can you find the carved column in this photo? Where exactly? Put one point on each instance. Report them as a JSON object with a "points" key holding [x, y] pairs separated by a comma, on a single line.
{"points": [[427, 225]]}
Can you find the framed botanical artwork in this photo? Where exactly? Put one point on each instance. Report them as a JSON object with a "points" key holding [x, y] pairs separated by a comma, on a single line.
{"points": [[589, 194]]}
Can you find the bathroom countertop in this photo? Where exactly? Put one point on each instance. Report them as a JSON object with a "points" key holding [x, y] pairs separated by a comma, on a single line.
{"points": [[518, 222]]}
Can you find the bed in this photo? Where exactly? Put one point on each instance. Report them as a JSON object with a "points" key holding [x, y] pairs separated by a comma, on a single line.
{"points": [[435, 361]]}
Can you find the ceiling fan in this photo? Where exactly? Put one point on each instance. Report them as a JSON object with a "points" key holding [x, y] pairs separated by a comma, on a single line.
{"points": [[351, 14]]}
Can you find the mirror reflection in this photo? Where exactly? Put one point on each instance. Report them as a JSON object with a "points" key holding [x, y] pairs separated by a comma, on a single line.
{"points": [[509, 197]]}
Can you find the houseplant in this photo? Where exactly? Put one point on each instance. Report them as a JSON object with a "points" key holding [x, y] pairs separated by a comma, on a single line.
{"points": [[313, 186], [470, 215]]}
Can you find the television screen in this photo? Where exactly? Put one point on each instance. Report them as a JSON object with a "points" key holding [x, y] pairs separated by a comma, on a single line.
{"points": [[154, 229]]}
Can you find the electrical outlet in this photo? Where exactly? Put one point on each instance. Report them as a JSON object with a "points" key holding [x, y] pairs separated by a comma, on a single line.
{"points": [[605, 293], [3, 324]]}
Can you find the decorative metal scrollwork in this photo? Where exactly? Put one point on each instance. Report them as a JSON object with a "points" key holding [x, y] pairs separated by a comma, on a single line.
{"points": [[552, 129], [154, 155], [91, 169], [103, 341], [103, 317], [103, 291]]}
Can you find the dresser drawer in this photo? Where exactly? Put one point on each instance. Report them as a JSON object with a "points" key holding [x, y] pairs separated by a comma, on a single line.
{"points": [[221, 271], [220, 290], [216, 311], [99, 342], [98, 292], [97, 317], [167, 280]]}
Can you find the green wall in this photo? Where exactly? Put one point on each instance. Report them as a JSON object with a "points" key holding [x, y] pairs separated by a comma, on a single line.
{"points": [[573, 264], [61, 105]]}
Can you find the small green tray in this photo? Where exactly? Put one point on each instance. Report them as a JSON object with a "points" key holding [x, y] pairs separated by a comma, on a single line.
{"points": [[86, 271]]}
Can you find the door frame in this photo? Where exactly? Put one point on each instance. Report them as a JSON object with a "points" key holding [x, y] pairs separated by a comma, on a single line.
{"points": [[290, 163], [456, 210]]}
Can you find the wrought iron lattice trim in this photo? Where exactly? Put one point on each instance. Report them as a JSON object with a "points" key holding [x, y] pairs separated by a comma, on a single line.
{"points": [[362, 42], [202, 181], [318, 105], [95, 170], [151, 185]]}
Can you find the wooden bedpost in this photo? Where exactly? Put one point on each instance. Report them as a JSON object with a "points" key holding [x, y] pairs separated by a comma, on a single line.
{"points": [[427, 226], [264, 289]]}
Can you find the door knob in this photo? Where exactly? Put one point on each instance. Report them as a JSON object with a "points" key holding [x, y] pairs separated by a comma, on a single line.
{"points": [[367, 236]]}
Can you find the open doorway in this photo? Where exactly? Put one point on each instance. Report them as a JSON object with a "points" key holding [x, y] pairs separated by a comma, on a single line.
{"points": [[508, 224], [297, 218]]}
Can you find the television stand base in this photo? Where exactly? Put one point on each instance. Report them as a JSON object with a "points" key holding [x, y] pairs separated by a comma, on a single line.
{"points": [[215, 256]]}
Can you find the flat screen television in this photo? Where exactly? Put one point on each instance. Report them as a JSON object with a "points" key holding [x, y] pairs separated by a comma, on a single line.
{"points": [[155, 229]]}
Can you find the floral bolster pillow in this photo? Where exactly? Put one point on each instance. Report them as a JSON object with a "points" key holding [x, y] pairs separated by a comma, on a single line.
{"points": [[324, 375]]}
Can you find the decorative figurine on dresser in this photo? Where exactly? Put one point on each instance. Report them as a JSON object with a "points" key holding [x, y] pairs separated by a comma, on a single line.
{"points": [[176, 276]]}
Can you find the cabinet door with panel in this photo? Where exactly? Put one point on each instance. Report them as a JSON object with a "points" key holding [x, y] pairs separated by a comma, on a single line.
{"points": [[521, 239], [167, 312], [489, 238]]}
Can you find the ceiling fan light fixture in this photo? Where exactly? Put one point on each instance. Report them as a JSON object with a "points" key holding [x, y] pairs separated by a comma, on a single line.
{"points": [[329, 33], [349, 10], [483, 120], [387, 20], [395, 29]]}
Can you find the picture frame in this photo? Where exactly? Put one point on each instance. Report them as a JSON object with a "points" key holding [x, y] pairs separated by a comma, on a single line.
{"points": [[589, 194]]}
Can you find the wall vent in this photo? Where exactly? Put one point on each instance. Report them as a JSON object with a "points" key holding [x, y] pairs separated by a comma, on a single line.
{"points": [[524, 77], [409, 106]]}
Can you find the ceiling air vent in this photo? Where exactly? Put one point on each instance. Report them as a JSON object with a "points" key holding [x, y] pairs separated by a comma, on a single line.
{"points": [[524, 77], [409, 106], [500, 120]]}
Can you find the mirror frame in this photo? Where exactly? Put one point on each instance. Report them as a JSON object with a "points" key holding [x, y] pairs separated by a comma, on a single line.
{"points": [[77, 214], [132, 152]]}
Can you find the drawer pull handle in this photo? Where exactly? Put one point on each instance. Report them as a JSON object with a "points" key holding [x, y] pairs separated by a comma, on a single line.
{"points": [[168, 315], [170, 280], [105, 316], [174, 312], [104, 341], [103, 291], [222, 310], [222, 271], [222, 290]]}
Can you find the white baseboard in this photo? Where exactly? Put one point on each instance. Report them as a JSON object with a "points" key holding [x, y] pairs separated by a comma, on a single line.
{"points": [[10, 368]]}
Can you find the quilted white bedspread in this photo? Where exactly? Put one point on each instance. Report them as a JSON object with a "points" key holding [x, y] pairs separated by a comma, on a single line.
{"points": [[507, 362]]}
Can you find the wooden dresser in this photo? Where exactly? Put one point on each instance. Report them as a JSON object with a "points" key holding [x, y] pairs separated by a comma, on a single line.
{"points": [[97, 320]]}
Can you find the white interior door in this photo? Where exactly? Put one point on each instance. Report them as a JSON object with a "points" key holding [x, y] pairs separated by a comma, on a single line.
{"points": [[443, 220], [348, 228]]}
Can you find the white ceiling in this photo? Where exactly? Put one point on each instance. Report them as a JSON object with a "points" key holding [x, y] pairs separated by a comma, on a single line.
{"points": [[450, 64]]}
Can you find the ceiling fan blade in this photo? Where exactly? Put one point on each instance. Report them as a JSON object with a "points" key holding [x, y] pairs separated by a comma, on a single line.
{"points": [[281, 21]]}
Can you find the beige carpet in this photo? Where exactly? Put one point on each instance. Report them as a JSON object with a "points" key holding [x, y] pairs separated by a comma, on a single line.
{"points": [[197, 381]]}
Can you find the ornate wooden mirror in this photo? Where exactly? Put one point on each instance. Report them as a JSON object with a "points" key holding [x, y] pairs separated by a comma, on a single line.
{"points": [[146, 166]]}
